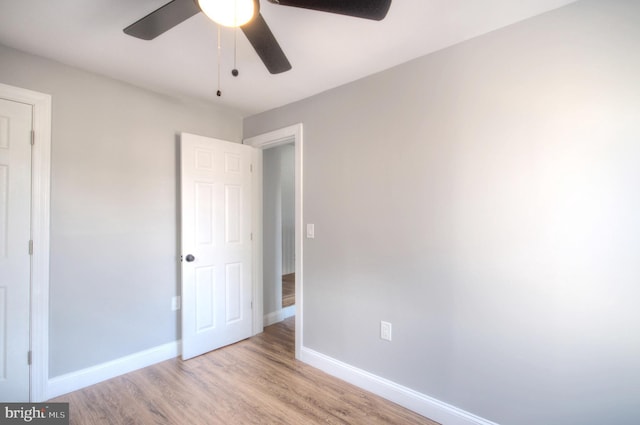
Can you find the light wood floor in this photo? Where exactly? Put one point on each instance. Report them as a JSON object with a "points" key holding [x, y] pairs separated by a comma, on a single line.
{"points": [[256, 381], [288, 289]]}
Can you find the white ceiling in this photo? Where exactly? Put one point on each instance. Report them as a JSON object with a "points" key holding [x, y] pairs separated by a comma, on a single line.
{"points": [[325, 50]]}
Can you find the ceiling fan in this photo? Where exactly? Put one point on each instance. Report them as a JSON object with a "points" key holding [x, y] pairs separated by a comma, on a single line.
{"points": [[246, 15]]}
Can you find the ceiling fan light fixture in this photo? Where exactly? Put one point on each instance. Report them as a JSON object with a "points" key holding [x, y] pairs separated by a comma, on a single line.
{"points": [[229, 13]]}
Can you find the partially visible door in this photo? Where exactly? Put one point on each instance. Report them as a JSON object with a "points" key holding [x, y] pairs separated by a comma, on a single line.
{"points": [[216, 243], [15, 262]]}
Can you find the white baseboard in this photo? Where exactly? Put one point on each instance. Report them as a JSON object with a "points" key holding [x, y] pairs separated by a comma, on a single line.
{"points": [[420, 403], [288, 312], [273, 317], [74, 381], [280, 315]]}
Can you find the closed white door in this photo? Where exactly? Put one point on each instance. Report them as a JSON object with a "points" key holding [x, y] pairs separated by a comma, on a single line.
{"points": [[15, 263], [216, 243]]}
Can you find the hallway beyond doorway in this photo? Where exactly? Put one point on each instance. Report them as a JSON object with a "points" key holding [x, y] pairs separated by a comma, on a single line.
{"points": [[288, 290]]}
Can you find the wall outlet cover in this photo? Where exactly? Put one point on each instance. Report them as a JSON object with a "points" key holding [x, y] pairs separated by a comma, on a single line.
{"points": [[175, 303]]}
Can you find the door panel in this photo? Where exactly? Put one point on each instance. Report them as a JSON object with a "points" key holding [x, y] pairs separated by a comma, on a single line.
{"points": [[216, 230], [205, 306], [234, 295], [232, 214], [15, 262]]}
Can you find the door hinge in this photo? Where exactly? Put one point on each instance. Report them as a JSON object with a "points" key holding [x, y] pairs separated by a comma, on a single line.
{"points": [[251, 236], [251, 168], [33, 137], [29, 357], [31, 247]]}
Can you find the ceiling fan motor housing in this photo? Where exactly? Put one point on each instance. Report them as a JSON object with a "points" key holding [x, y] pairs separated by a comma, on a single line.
{"points": [[256, 29]]}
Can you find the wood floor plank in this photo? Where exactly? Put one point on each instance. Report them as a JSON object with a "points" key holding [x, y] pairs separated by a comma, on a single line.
{"points": [[256, 381], [288, 289]]}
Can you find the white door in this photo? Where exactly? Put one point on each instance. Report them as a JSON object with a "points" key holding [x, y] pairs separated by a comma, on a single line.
{"points": [[216, 243], [15, 262]]}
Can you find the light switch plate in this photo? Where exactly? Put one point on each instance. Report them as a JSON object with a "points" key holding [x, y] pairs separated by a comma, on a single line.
{"points": [[385, 330], [311, 231]]}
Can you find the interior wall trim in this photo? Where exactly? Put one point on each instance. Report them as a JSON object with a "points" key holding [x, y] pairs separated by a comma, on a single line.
{"points": [[40, 232], [77, 380], [422, 404], [279, 315]]}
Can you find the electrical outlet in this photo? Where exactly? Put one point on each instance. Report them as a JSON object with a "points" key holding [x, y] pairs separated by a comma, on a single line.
{"points": [[385, 330], [175, 303]]}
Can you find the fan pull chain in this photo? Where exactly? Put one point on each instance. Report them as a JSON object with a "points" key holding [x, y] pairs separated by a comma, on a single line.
{"points": [[234, 71], [219, 93]]}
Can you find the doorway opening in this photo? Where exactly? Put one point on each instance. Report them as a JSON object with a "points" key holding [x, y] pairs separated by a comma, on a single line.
{"points": [[292, 136], [278, 212]]}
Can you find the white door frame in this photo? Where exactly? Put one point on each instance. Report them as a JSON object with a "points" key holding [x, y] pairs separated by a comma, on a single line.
{"points": [[291, 134], [40, 204]]}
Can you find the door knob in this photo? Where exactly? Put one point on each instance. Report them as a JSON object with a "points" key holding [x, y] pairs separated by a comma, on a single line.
{"points": [[190, 258]]}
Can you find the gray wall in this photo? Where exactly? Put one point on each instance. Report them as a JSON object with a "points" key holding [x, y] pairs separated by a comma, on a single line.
{"points": [[113, 208], [485, 200], [287, 185], [272, 233]]}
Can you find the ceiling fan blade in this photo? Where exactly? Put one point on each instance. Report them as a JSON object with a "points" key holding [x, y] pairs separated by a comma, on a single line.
{"points": [[163, 19], [367, 9], [266, 45]]}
